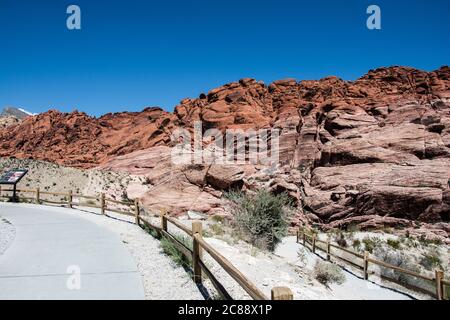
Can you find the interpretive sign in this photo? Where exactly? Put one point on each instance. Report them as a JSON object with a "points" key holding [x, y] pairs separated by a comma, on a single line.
{"points": [[12, 177]]}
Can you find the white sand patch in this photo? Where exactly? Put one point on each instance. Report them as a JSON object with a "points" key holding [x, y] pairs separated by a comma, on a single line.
{"points": [[7, 234]]}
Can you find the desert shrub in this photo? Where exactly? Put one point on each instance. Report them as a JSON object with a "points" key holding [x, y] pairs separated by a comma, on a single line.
{"points": [[431, 260], [124, 196], [235, 196], [302, 255], [91, 202], [357, 244], [402, 260], [218, 218], [395, 244], [370, 243], [340, 239], [155, 234], [409, 242], [262, 218], [328, 273], [217, 229], [426, 242], [174, 253]]}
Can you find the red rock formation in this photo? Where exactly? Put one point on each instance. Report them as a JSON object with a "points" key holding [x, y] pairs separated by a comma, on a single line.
{"points": [[75, 139], [373, 152]]}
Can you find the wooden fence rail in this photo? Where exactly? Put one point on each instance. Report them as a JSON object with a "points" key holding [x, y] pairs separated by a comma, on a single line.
{"points": [[195, 255], [439, 282]]}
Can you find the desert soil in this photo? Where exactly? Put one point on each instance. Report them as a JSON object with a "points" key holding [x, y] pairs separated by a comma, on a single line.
{"points": [[51, 177]]}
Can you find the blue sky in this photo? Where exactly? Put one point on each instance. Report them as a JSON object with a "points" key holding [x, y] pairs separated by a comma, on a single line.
{"points": [[135, 53]]}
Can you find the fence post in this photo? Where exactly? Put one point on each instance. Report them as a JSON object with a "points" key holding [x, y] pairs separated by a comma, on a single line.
{"points": [[102, 203], [282, 293], [136, 211], [439, 285], [0, 191], [366, 265], [38, 196], [70, 199], [304, 238], [328, 250], [314, 243], [298, 234], [196, 252], [163, 221]]}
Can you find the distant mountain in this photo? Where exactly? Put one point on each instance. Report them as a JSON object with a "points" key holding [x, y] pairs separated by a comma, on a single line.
{"points": [[16, 112]]}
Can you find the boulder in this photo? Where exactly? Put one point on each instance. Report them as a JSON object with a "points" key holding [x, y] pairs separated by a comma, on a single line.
{"points": [[224, 177]]}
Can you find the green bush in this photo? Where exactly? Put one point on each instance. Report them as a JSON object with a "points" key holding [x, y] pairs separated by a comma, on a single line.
{"points": [[174, 253], [217, 229], [327, 273], [395, 244], [341, 240], [427, 242], [356, 245], [371, 243], [262, 218], [431, 260]]}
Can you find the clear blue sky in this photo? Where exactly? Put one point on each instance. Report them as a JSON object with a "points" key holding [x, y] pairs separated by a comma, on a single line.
{"points": [[135, 53]]}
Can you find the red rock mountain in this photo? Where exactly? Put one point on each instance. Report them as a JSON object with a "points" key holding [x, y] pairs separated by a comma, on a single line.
{"points": [[375, 151]]}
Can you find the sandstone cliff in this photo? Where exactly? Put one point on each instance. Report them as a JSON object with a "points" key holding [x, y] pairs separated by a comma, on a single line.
{"points": [[373, 152]]}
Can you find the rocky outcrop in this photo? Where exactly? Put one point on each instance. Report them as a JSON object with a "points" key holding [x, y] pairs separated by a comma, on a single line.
{"points": [[373, 152], [78, 140], [7, 121]]}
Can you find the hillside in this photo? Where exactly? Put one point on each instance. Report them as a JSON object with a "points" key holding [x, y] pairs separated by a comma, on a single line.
{"points": [[373, 152]]}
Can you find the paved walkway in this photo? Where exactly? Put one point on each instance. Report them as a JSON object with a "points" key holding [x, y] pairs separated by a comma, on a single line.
{"points": [[50, 248]]}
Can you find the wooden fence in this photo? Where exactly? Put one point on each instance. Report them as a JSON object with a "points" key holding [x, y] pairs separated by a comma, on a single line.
{"points": [[195, 255], [438, 281]]}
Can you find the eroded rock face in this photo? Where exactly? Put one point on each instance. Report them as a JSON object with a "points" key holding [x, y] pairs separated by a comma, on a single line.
{"points": [[373, 152], [77, 140]]}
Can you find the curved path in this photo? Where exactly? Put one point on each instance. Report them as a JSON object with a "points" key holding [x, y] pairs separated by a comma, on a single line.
{"points": [[51, 249]]}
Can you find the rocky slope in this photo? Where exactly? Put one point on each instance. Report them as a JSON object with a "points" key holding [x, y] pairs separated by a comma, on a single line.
{"points": [[373, 152]]}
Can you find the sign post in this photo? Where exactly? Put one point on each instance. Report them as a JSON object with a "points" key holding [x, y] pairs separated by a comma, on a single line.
{"points": [[12, 177]]}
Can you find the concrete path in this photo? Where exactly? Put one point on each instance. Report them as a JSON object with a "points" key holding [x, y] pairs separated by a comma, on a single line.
{"points": [[50, 250]]}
